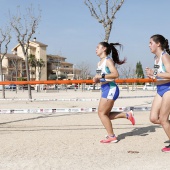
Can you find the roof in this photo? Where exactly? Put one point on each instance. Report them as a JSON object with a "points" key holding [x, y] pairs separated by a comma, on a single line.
{"points": [[31, 42], [12, 56], [39, 43], [67, 63], [55, 56]]}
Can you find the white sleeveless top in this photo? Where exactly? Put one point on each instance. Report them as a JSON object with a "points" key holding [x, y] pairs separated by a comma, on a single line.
{"points": [[103, 69], [159, 67]]}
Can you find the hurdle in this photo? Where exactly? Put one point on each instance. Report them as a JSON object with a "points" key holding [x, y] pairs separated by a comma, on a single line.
{"points": [[90, 81], [71, 110]]}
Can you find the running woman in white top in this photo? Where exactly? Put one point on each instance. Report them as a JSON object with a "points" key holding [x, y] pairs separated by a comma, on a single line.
{"points": [[160, 110], [106, 74]]}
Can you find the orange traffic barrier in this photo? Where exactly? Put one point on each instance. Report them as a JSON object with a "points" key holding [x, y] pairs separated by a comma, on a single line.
{"points": [[74, 81]]}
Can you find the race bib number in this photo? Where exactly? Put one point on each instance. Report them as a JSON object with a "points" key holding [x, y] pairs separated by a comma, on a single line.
{"points": [[98, 71], [156, 67]]}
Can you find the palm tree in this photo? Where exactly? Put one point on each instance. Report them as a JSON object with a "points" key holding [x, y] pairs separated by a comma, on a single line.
{"points": [[39, 63], [32, 61]]}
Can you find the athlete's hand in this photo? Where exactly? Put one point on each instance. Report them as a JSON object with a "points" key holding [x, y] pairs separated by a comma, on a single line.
{"points": [[96, 80], [149, 72]]}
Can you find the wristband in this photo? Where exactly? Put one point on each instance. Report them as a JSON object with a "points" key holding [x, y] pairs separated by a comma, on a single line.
{"points": [[103, 76], [155, 74]]}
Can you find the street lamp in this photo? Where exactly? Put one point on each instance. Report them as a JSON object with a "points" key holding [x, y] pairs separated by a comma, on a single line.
{"points": [[74, 71], [57, 66], [39, 64], [0, 48]]}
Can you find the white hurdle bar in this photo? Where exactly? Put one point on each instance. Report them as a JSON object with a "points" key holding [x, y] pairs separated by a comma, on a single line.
{"points": [[68, 110]]}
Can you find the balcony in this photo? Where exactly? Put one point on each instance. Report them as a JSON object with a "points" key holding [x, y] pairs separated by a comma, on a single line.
{"points": [[66, 69]]}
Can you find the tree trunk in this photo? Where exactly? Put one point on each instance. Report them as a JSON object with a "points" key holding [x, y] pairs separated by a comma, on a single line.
{"points": [[28, 76], [2, 79], [107, 33]]}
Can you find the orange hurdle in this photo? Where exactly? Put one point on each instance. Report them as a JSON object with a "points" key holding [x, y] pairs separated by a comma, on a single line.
{"points": [[75, 81]]}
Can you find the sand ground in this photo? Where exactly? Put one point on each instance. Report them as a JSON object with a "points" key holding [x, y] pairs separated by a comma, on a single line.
{"points": [[64, 141]]}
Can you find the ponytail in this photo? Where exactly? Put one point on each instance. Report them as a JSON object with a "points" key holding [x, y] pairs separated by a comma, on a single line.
{"points": [[110, 48], [166, 46], [115, 54]]}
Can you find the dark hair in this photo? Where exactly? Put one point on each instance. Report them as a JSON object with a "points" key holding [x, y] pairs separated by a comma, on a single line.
{"points": [[111, 48], [157, 38]]}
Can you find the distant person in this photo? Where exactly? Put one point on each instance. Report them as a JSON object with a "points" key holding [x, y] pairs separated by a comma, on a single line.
{"points": [[106, 74], [161, 104]]}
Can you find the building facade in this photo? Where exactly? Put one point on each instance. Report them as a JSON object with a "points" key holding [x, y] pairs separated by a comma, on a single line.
{"points": [[14, 67]]}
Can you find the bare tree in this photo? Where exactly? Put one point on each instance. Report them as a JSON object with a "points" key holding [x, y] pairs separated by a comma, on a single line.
{"points": [[25, 26], [16, 64], [5, 39], [85, 70], [127, 72], [105, 13]]}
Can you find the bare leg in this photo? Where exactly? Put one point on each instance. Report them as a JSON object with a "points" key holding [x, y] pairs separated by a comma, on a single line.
{"points": [[164, 113], [115, 115], [105, 106], [155, 110], [126, 115]]}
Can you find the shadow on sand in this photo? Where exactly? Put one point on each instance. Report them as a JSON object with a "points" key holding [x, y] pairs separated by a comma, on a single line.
{"points": [[138, 131], [142, 131], [38, 117]]}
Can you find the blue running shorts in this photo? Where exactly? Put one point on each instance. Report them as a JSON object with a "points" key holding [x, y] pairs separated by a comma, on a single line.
{"points": [[110, 91], [163, 88]]}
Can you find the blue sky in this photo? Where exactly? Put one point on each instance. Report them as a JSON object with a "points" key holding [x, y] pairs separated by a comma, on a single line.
{"points": [[69, 30]]}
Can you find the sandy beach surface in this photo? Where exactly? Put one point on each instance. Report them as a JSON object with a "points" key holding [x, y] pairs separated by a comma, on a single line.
{"points": [[65, 141]]}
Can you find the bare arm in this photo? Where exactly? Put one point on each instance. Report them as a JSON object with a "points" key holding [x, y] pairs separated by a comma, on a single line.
{"points": [[113, 71], [166, 62], [95, 78], [149, 72]]}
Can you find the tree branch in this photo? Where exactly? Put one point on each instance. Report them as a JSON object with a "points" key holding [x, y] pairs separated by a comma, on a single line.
{"points": [[104, 18], [92, 11]]}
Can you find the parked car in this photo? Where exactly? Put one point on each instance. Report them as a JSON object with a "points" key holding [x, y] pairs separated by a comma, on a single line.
{"points": [[57, 87], [10, 86], [125, 87], [25, 87], [149, 87], [72, 86], [91, 87]]}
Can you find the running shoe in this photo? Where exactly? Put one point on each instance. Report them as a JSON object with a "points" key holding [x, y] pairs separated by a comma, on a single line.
{"points": [[131, 117], [109, 139], [166, 149]]}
